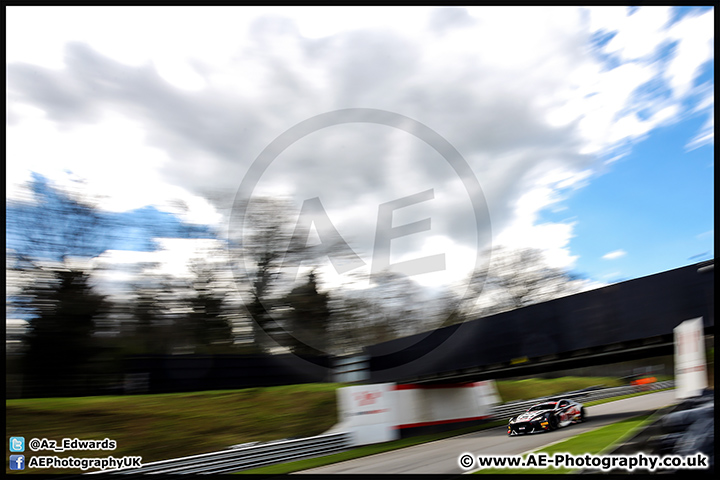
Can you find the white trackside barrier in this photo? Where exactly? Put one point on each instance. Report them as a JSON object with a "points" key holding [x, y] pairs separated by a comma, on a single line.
{"points": [[690, 364], [382, 412]]}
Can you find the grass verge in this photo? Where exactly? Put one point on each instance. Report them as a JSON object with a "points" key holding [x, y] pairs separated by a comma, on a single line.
{"points": [[527, 389], [159, 427]]}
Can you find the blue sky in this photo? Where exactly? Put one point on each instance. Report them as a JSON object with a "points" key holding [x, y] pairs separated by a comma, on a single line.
{"points": [[652, 210], [654, 205], [29, 226], [590, 130]]}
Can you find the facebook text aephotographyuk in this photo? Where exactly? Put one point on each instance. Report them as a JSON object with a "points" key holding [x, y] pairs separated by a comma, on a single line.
{"points": [[103, 463], [632, 462]]}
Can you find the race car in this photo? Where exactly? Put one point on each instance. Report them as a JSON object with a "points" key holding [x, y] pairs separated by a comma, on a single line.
{"points": [[546, 416]]}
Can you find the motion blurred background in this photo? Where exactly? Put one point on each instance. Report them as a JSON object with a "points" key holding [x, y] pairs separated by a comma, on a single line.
{"points": [[130, 131]]}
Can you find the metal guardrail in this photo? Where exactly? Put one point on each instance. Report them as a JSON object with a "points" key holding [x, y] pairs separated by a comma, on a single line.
{"points": [[508, 410], [236, 459]]}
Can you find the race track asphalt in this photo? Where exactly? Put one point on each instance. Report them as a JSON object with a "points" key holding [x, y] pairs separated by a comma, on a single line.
{"points": [[442, 456]]}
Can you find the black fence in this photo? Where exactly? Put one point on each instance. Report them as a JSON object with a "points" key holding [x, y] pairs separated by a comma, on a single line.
{"points": [[186, 373], [176, 373], [614, 323]]}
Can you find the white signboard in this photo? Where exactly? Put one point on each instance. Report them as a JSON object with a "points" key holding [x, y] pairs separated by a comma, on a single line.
{"points": [[690, 368], [368, 411], [378, 413], [486, 394]]}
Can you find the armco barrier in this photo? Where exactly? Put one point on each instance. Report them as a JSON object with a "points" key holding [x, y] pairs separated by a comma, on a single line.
{"points": [[508, 410], [243, 458]]}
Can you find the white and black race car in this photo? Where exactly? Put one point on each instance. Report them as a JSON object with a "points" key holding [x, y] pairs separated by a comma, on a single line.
{"points": [[547, 416]]}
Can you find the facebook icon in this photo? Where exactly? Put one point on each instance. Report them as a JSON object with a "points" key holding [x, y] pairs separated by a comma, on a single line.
{"points": [[17, 462]]}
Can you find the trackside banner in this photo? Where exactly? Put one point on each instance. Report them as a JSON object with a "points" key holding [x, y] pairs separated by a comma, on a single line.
{"points": [[368, 411], [690, 366], [377, 413]]}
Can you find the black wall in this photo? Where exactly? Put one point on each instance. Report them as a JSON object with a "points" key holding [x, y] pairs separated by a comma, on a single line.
{"points": [[186, 373], [577, 327], [627, 313]]}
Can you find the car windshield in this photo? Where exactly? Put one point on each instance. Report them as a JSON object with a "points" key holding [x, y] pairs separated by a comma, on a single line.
{"points": [[542, 406]]}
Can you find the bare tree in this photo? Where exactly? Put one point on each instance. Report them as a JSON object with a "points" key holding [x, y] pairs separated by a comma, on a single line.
{"points": [[521, 277], [357, 321], [268, 249], [209, 318], [392, 307], [309, 319], [259, 246]]}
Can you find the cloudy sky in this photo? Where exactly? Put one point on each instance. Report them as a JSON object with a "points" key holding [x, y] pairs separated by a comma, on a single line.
{"points": [[588, 132]]}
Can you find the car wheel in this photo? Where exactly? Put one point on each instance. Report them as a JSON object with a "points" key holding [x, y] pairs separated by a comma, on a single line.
{"points": [[553, 422], [582, 414]]}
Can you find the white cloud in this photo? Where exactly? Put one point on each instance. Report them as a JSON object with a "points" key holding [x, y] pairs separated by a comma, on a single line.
{"points": [[116, 270], [695, 47], [170, 106], [614, 254], [706, 135], [119, 170], [638, 35]]}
